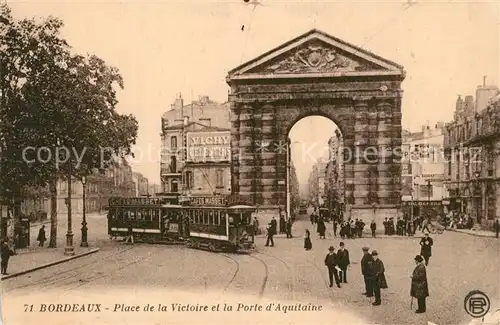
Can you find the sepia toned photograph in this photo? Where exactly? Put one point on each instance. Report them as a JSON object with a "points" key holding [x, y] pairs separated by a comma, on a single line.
{"points": [[250, 162]]}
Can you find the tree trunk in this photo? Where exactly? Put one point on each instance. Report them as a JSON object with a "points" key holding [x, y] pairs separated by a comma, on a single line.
{"points": [[53, 213]]}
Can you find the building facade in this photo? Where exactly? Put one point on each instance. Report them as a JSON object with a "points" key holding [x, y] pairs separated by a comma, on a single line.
{"points": [[472, 151], [177, 175], [422, 171], [141, 184], [116, 181], [335, 186], [317, 181]]}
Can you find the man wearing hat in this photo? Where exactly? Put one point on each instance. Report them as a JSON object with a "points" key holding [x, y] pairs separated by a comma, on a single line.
{"points": [[331, 262], [426, 247], [419, 287], [343, 262], [366, 266], [377, 278]]}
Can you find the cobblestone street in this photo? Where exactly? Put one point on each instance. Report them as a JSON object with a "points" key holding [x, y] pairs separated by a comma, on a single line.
{"points": [[460, 263]]}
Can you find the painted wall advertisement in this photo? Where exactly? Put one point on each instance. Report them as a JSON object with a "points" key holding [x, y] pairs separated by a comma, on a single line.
{"points": [[208, 146]]}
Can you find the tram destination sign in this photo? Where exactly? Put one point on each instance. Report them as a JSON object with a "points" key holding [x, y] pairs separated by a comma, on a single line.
{"points": [[217, 200], [208, 146], [207, 200], [134, 201]]}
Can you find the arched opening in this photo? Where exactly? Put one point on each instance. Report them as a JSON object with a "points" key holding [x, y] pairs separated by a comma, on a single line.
{"points": [[315, 176]]}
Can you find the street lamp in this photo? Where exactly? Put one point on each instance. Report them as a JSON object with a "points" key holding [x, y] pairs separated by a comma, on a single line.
{"points": [[84, 242], [69, 249]]}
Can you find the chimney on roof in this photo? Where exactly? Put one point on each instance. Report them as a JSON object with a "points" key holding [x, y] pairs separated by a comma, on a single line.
{"points": [[484, 94], [178, 103]]}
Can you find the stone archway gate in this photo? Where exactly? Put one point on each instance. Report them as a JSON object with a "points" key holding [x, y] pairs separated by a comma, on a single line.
{"points": [[318, 74]]}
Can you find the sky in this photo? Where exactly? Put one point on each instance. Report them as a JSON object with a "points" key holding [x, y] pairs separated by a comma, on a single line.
{"points": [[163, 48]]}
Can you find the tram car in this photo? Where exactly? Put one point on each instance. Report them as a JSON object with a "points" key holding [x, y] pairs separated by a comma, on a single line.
{"points": [[152, 220], [216, 223]]}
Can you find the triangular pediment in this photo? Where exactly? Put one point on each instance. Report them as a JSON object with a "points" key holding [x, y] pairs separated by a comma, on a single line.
{"points": [[319, 54]]}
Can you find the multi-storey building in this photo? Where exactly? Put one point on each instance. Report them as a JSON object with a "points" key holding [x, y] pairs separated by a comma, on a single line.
{"points": [[294, 190], [116, 181], [190, 163], [472, 151], [335, 172], [141, 184], [422, 172], [317, 177]]}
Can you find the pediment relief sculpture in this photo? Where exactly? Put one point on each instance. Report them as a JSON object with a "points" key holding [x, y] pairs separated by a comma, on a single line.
{"points": [[314, 58]]}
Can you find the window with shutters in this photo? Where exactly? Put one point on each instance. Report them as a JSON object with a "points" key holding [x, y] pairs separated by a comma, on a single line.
{"points": [[173, 142]]}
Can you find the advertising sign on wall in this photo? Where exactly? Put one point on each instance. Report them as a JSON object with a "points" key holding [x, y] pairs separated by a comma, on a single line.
{"points": [[208, 146]]}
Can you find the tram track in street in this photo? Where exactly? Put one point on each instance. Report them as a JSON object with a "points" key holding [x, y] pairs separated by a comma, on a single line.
{"points": [[291, 285], [237, 263], [55, 278]]}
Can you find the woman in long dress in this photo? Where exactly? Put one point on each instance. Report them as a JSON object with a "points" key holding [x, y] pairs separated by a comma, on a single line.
{"points": [[307, 240]]}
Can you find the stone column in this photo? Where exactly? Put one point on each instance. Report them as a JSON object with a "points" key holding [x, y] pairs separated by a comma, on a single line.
{"points": [[268, 156], [372, 153], [235, 147], [384, 143], [361, 168], [247, 149]]}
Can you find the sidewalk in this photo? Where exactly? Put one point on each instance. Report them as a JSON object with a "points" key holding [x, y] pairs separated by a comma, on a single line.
{"points": [[477, 233], [33, 259]]}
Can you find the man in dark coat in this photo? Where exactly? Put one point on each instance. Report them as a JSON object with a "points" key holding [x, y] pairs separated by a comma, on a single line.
{"points": [[386, 227], [321, 228], [289, 228], [270, 234], [366, 270], [373, 227], [274, 225], [377, 278], [361, 226], [343, 262], [41, 236], [419, 287], [497, 228], [5, 254], [331, 263], [426, 247], [335, 225]]}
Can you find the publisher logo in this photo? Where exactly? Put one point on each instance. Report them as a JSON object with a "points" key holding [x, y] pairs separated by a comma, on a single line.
{"points": [[477, 304]]}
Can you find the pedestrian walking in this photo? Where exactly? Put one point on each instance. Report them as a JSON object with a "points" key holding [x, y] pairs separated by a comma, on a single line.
{"points": [[331, 264], [425, 224], [343, 262], [361, 227], [130, 236], [270, 234], [307, 240], [497, 228], [289, 228], [335, 225], [366, 268], [378, 280], [426, 247], [41, 236], [274, 225], [5, 255], [419, 287], [255, 224], [373, 227], [321, 228]]}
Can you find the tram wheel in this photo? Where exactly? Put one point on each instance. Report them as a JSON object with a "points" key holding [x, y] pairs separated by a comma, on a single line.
{"points": [[212, 247]]}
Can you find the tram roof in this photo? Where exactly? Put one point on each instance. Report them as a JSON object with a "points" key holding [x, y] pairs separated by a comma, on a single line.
{"points": [[241, 206]]}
